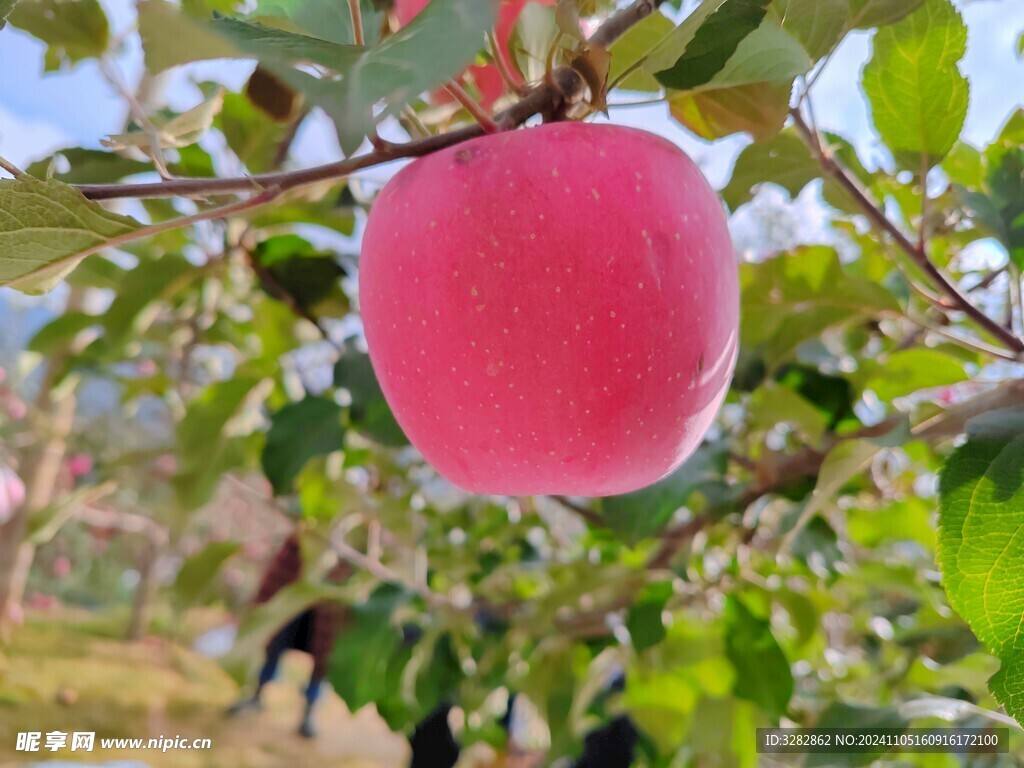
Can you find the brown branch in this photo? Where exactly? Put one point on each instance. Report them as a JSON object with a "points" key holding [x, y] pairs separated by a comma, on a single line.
{"points": [[588, 514], [948, 424], [835, 169], [619, 24], [563, 86]]}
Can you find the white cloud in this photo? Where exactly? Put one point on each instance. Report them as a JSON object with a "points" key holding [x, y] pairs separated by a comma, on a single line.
{"points": [[24, 139]]}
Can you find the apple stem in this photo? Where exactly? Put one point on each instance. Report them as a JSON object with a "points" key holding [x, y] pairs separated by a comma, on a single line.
{"points": [[473, 107]]}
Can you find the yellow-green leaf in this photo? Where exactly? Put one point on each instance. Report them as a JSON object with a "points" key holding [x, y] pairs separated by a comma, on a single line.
{"points": [[47, 228], [917, 94], [981, 544]]}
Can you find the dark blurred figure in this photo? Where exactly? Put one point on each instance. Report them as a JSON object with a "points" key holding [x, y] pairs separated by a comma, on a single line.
{"points": [[611, 746], [312, 631]]}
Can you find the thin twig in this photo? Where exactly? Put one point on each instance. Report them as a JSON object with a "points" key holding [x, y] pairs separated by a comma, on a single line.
{"points": [[284, 146], [380, 571], [472, 106], [876, 215], [969, 344], [563, 85], [588, 514]]}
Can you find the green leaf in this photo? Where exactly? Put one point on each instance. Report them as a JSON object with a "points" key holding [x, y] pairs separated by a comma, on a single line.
{"points": [[328, 20], [180, 131], [981, 544], [644, 621], [368, 667], [794, 298], [843, 463], [435, 46], [818, 24], [309, 277], [369, 412], [783, 159], [150, 282], [197, 573], [645, 512], [205, 448], [713, 44], [910, 370], [1006, 184], [917, 94], [867, 14], [90, 166], [171, 38], [763, 675], [839, 714], [271, 45], [298, 432], [6, 6], [47, 228], [759, 109], [251, 135], [60, 331], [73, 29], [632, 47], [751, 92], [671, 48], [774, 404]]}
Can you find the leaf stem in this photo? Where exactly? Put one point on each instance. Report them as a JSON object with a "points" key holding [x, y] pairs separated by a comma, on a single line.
{"points": [[472, 106], [877, 217], [357, 22], [502, 63], [11, 168]]}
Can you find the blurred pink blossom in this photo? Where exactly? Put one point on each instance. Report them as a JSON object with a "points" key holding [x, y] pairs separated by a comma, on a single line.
{"points": [[12, 493], [80, 464]]}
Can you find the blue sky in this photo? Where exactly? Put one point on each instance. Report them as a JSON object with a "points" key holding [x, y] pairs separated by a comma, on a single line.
{"points": [[42, 112]]}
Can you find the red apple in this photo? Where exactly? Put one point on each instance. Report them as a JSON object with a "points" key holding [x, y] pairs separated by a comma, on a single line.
{"points": [[486, 77], [552, 310]]}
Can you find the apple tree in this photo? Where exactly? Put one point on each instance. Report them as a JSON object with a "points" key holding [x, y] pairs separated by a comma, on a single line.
{"points": [[843, 545]]}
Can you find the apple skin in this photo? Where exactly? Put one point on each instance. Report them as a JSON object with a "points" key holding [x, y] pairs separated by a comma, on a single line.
{"points": [[552, 310], [486, 77]]}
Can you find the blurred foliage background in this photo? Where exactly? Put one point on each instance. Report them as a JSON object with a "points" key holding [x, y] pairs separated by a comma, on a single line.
{"points": [[842, 549]]}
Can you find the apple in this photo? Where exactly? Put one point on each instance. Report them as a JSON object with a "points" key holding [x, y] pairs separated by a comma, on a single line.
{"points": [[552, 310], [12, 493], [486, 77]]}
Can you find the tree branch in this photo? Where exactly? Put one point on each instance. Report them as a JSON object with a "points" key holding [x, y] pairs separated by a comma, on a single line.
{"points": [[564, 85], [588, 514], [948, 424], [877, 216]]}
